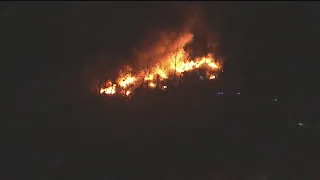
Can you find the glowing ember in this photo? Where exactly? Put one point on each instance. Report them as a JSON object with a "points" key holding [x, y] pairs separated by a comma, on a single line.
{"points": [[152, 85], [212, 77], [128, 93], [171, 63]]}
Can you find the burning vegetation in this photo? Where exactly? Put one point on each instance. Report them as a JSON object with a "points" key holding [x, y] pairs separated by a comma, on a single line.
{"points": [[167, 65]]}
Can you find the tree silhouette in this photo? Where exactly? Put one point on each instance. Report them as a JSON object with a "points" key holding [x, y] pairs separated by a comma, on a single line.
{"points": [[147, 67], [174, 58]]}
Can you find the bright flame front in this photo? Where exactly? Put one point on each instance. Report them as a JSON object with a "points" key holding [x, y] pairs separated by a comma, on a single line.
{"points": [[174, 64]]}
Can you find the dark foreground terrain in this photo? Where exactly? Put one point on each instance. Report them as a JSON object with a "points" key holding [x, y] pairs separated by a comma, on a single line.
{"points": [[187, 134]]}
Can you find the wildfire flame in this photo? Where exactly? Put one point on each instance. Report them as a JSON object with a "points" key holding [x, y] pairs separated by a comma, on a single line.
{"points": [[173, 62]]}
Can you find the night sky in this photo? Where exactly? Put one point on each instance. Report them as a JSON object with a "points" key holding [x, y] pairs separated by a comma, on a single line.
{"points": [[52, 51], [52, 42]]}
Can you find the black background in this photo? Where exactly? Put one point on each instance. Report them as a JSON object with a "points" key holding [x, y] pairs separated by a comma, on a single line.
{"points": [[50, 51]]}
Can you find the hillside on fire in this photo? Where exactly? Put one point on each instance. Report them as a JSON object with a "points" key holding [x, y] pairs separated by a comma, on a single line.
{"points": [[176, 65], [164, 65], [173, 68], [173, 90]]}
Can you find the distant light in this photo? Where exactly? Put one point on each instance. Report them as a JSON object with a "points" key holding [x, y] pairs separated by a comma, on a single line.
{"points": [[302, 125], [219, 93], [164, 87], [275, 99], [238, 93]]}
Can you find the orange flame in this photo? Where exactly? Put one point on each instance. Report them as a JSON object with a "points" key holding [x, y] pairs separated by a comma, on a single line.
{"points": [[174, 62], [212, 77], [152, 85], [110, 89]]}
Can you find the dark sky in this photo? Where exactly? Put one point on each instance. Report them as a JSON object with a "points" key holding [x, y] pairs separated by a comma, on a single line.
{"points": [[50, 51], [48, 44]]}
